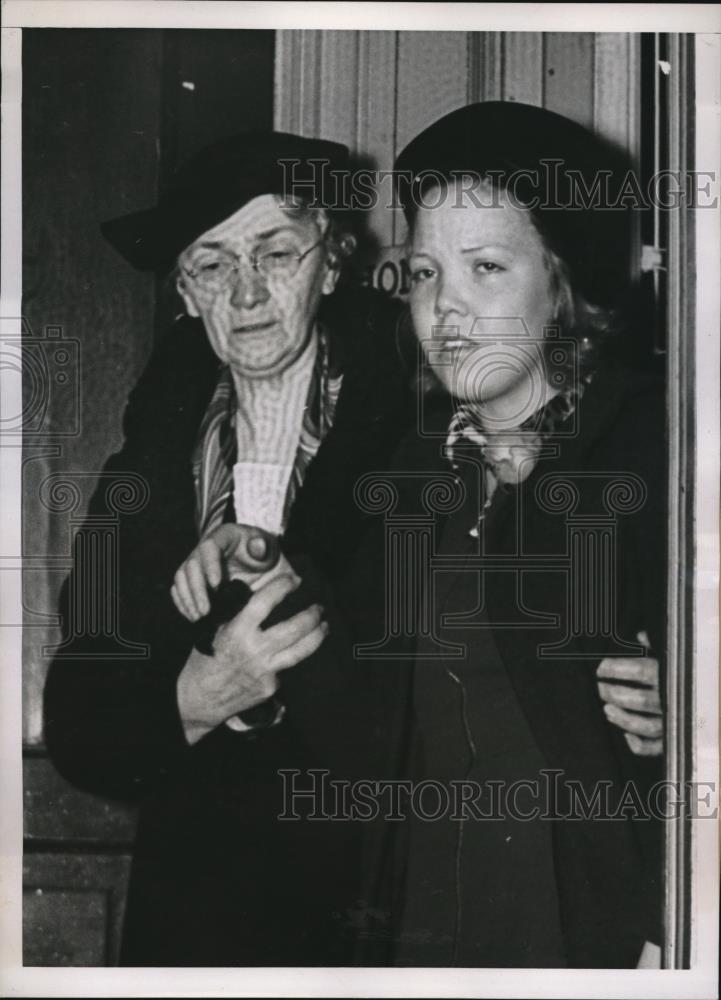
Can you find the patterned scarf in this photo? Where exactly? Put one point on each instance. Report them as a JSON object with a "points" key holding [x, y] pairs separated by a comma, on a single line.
{"points": [[216, 449], [511, 456], [318, 417]]}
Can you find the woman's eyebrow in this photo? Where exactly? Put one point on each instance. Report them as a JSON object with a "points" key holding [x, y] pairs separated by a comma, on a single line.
{"points": [[265, 235], [269, 233], [487, 246]]}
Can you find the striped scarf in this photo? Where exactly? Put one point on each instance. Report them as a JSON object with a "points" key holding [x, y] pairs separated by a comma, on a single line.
{"points": [[529, 436], [216, 449]]}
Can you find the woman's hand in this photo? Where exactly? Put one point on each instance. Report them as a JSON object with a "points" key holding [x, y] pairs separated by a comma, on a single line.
{"points": [[243, 672], [636, 710], [232, 551]]}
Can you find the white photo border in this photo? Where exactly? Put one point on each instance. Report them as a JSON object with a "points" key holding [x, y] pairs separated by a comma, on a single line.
{"points": [[700, 981]]}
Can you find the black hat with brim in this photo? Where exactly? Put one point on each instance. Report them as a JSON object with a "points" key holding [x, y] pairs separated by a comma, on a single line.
{"points": [[217, 182], [570, 176]]}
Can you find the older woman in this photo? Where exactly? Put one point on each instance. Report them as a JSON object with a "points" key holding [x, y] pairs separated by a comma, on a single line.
{"points": [[262, 405], [517, 846]]}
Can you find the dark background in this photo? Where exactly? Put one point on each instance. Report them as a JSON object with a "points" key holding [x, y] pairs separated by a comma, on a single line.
{"points": [[106, 118]]}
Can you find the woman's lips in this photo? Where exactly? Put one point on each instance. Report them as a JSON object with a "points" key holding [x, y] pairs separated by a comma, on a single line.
{"points": [[455, 343], [254, 327]]}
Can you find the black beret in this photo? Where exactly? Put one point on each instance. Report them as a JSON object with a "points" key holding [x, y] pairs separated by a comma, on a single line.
{"points": [[218, 181], [568, 176]]}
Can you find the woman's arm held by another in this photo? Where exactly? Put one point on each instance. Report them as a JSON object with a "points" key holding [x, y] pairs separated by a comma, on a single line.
{"points": [[636, 710], [247, 658], [230, 552]]}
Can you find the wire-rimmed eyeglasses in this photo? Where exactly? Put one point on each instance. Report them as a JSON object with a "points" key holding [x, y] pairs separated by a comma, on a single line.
{"points": [[211, 270]]}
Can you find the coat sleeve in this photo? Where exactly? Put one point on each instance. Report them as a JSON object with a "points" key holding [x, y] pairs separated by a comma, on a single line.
{"points": [[111, 720]]}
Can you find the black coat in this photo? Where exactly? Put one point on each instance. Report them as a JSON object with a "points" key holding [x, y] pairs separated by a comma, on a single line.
{"points": [[608, 872], [217, 879]]}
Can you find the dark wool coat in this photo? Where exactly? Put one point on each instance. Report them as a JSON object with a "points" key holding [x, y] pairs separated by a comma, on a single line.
{"points": [[608, 872], [217, 879]]}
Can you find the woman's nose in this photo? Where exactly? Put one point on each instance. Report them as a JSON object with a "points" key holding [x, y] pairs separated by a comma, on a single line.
{"points": [[249, 287], [449, 297]]}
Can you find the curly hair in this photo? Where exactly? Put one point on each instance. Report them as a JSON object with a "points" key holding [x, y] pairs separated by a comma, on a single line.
{"points": [[588, 325], [338, 236]]}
